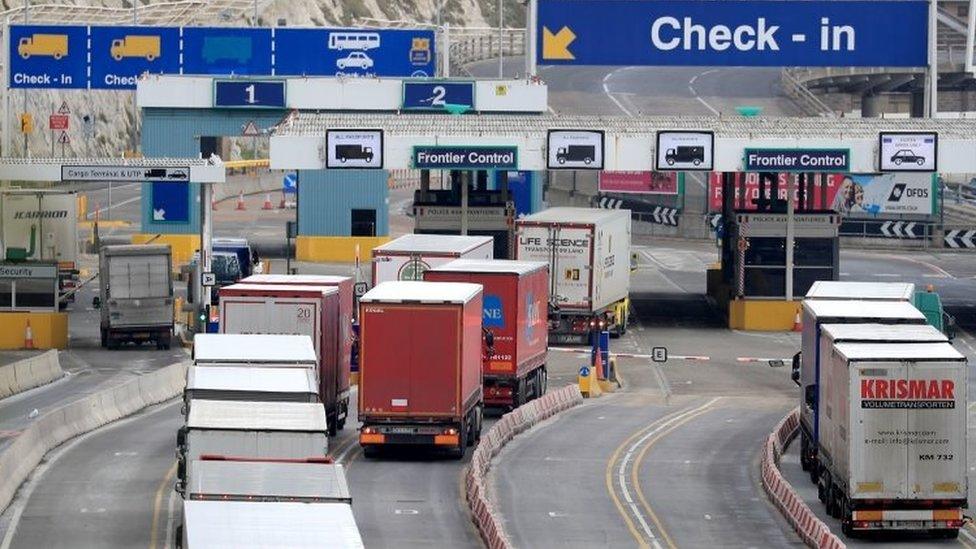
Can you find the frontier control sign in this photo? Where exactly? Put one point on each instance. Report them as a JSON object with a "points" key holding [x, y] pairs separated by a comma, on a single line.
{"points": [[432, 157], [796, 160]]}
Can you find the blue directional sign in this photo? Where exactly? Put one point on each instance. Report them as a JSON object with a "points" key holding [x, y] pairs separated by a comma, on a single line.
{"points": [[226, 50], [355, 52], [436, 95], [821, 33], [170, 202], [250, 94], [46, 56], [289, 183], [119, 55]]}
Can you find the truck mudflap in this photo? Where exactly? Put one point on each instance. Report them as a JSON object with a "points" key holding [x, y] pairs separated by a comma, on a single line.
{"points": [[946, 519]]}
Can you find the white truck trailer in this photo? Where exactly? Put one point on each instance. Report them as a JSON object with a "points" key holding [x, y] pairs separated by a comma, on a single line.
{"points": [[407, 257], [284, 525], [255, 350], [588, 252], [865, 291], [250, 383], [893, 437], [136, 294]]}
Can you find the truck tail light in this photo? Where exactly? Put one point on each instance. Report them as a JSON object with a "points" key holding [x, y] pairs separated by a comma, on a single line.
{"points": [[947, 514], [371, 438], [860, 524], [449, 437]]}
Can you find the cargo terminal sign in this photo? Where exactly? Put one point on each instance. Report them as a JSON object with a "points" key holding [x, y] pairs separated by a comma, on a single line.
{"points": [[434, 157], [796, 160], [124, 174], [813, 33]]}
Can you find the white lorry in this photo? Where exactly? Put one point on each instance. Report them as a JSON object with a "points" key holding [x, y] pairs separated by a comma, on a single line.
{"points": [[588, 252], [136, 294], [407, 257], [865, 291], [807, 363], [285, 525], [248, 429], [892, 445], [250, 383], [255, 350]]}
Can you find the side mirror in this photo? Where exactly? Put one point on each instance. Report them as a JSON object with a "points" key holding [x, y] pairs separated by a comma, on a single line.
{"points": [[808, 396], [795, 372], [181, 438]]}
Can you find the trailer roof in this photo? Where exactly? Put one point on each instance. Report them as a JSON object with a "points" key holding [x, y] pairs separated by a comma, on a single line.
{"points": [[433, 243], [251, 379], [836, 289], [253, 348], [857, 308], [491, 266], [308, 481], [239, 415], [922, 333], [411, 291], [298, 279], [575, 215], [270, 525], [902, 351], [269, 289], [136, 249]]}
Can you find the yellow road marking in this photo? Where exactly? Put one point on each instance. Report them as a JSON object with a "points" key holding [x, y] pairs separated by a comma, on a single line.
{"points": [[157, 504]]}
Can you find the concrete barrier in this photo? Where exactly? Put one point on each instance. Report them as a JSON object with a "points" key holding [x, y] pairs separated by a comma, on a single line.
{"points": [[813, 531], [28, 373], [489, 524], [55, 427]]}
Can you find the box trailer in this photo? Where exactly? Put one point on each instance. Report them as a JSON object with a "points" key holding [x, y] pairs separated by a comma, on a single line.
{"points": [[240, 479], [303, 310], [588, 252], [279, 430], [250, 383], [407, 257], [284, 525], [255, 350], [347, 340], [864, 291], [515, 297], [807, 363], [136, 294], [893, 437], [420, 375]]}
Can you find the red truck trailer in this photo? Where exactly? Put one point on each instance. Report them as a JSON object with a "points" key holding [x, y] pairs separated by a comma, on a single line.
{"points": [[346, 306], [299, 310], [420, 375], [516, 294]]}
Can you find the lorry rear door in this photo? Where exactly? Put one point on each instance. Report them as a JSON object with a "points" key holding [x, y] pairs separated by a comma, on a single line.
{"points": [[568, 250], [878, 468], [937, 430], [138, 276]]}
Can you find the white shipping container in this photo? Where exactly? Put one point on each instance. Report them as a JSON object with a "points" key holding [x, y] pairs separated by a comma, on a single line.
{"points": [[588, 252], [407, 257], [895, 421], [265, 350], [251, 383], [53, 216]]}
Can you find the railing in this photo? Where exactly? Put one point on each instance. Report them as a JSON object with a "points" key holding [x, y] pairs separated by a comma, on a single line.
{"points": [[806, 99], [473, 44]]}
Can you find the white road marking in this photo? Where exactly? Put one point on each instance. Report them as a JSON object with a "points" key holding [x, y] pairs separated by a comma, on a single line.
{"points": [[606, 90], [406, 512], [169, 519], [115, 205]]}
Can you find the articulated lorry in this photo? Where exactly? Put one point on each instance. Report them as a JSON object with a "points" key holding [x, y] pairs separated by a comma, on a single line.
{"points": [[302, 310], [420, 376], [407, 257], [588, 252], [892, 445], [136, 294], [516, 295]]}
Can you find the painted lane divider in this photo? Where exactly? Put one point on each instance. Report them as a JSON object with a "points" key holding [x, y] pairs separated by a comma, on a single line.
{"points": [[760, 359]]}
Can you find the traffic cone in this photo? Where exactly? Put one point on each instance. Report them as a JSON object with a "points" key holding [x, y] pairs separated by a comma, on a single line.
{"points": [[213, 203], [267, 202], [240, 202], [797, 323], [28, 336], [281, 205]]}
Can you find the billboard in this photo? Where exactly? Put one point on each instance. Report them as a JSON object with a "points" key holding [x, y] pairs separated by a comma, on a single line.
{"points": [[639, 182]]}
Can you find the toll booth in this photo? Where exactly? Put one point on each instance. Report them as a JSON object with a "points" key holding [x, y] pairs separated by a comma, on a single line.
{"points": [[29, 306]]}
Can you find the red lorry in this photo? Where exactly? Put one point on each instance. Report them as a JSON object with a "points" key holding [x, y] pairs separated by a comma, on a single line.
{"points": [[516, 295], [346, 306], [420, 375], [299, 310]]}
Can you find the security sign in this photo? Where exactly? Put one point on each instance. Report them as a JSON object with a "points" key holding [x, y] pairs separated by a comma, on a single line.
{"points": [[575, 149], [359, 149], [685, 150], [908, 152]]}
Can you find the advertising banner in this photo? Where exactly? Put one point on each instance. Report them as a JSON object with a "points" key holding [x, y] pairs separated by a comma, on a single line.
{"points": [[639, 182]]}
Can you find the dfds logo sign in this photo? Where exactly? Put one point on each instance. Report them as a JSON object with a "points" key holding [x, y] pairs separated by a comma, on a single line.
{"points": [[494, 316]]}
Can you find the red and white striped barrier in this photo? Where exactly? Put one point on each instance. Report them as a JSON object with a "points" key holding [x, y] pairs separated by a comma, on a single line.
{"points": [[813, 531], [489, 524]]}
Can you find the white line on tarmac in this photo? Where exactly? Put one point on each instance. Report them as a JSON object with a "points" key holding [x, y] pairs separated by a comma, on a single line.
{"points": [[606, 90]]}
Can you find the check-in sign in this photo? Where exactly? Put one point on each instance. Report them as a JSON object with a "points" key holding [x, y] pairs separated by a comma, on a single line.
{"points": [[433, 157], [796, 160]]}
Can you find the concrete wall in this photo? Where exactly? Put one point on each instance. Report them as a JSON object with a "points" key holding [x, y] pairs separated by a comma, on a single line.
{"points": [[28, 373]]}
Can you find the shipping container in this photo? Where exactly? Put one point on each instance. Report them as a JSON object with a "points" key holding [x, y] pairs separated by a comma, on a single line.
{"points": [[806, 363], [302, 310], [135, 295], [240, 479], [250, 383], [248, 429], [284, 525], [407, 257], [893, 443], [588, 252], [344, 284], [422, 353], [515, 297]]}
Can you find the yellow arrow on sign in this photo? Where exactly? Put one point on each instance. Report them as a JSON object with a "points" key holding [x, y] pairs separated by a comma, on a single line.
{"points": [[556, 46]]}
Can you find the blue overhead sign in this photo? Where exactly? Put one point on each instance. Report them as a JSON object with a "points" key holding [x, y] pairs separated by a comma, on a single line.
{"points": [[250, 94], [435, 96], [113, 57], [820, 33], [170, 202]]}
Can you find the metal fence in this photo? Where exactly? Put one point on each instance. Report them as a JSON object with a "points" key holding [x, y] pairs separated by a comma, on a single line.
{"points": [[472, 44]]}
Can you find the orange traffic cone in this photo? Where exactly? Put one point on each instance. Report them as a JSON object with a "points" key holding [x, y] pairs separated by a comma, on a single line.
{"points": [[797, 323], [240, 202], [281, 205], [267, 202], [28, 336]]}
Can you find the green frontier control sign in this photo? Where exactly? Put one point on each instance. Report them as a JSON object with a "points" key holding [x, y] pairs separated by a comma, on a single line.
{"points": [[461, 157], [796, 160]]}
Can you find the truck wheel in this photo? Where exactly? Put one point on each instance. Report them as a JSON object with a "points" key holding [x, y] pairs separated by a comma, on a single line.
{"points": [[332, 420], [519, 397], [804, 450], [480, 420], [814, 472], [167, 339]]}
